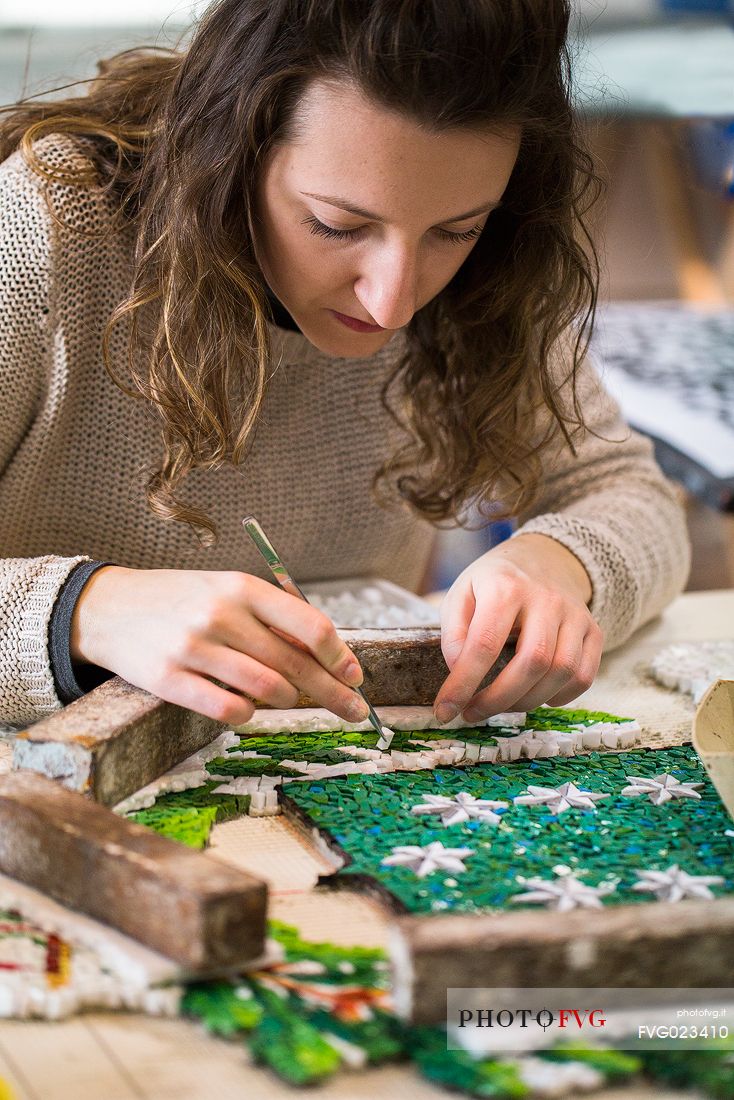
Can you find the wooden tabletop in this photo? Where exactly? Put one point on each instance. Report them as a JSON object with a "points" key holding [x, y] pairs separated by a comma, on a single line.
{"points": [[106, 1056]]}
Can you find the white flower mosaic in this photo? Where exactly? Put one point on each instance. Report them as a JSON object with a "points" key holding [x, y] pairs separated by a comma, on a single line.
{"points": [[462, 807], [660, 789], [424, 859], [559, 799], [675, 884], [564, 893]]}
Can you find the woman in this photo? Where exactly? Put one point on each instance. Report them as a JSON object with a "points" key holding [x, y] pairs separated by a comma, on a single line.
{"points": [[318, 201]]}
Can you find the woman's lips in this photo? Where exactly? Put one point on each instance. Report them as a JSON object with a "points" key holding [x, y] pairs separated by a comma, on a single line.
{"points": [[354, 324]]}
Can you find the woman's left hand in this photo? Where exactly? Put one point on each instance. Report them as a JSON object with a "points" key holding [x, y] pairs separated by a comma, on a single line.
{"points": [[535, 590]]}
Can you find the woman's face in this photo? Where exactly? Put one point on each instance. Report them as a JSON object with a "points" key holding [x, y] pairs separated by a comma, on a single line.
{"points": [[364, 216]]}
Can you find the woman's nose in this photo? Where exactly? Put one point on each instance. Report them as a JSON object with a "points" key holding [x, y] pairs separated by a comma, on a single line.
{"points": [[386, 288]]}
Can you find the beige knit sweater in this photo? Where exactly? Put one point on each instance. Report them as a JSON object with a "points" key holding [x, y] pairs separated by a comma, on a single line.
{"points": [[72, 447]]}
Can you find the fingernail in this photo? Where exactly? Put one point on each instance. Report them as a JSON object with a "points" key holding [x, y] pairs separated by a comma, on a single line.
{"points": [[445, 712], [358, 711], [353, 674], [474, 715]]}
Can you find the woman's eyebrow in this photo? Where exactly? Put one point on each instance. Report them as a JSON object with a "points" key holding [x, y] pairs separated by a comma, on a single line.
{"points": [[334, 200]]}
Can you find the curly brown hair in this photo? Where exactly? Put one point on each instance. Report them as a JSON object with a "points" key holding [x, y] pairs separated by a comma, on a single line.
{"points": [[178, 137]]}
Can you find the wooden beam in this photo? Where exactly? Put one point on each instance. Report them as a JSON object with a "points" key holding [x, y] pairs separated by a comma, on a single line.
{"points": [[205, 914], [405, 667], [119, 738], [690, 943], [112, 742]]}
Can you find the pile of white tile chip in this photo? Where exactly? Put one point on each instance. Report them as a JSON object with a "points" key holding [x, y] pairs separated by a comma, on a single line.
{"points": [[319, 720], [691, 667], [372, 607]]}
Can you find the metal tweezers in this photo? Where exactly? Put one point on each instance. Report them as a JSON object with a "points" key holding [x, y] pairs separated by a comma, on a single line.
{"points": [[286, 582]]}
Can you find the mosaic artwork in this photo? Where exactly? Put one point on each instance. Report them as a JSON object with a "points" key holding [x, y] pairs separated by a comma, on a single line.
{"points": [[490, 819], [593, 828], [325, 1008], [52, 973], [322, 1009], [559, 809], [266, 758]]}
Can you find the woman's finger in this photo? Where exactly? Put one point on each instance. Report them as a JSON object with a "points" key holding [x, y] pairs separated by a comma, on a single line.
{"points": [[194, 692], [457, 611], [311, 627], [299, 668], [243, 673], [564, 672], [588, 668], [488, 631], [536, 646]]}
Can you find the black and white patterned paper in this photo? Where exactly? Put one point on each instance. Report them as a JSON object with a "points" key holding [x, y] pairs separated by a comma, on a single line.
{"points": [[671, 367]]}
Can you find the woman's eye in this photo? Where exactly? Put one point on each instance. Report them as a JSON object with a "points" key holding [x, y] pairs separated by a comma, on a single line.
{"points": [[320, 230], [467, 235]]}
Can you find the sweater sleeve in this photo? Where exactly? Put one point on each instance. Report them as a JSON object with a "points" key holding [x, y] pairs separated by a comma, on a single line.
{"points": [[28, 586], [72, 680], [611, 506]]}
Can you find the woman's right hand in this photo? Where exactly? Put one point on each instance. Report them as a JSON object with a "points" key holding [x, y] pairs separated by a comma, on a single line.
{"points": [[173, 632]]}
